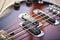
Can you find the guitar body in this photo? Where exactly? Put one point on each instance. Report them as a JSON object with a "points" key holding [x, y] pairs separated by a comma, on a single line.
{"points": [[10, 22]]}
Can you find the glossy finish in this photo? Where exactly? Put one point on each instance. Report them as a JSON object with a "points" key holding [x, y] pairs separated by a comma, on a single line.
{"points": [[11, 21], [31, 25]]}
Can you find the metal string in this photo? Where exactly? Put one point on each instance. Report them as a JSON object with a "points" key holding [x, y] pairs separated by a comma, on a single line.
{"points": [[26, 29]]}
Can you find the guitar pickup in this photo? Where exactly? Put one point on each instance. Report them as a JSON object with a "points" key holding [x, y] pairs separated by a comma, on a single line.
{"points": [[4, 35], [31, 24], [46, 17]]}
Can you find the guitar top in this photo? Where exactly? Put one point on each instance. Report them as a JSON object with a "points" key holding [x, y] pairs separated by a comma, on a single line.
{"points": [[30, 20]]}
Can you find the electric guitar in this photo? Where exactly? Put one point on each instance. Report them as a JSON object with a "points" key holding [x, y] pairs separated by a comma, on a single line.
{"points": [[30, 20]]}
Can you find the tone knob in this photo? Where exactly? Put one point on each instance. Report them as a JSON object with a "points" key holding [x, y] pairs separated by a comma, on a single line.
{"points": [[17, 5], [29, 2]]}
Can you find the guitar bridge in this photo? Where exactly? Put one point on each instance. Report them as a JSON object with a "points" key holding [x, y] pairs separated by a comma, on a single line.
{"points": [[55, 9], [4, 36]]}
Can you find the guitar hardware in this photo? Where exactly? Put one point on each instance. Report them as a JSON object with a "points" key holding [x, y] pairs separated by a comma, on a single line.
{"points": [[27, 20], [3, 35], [54, 9], [17, 5], [46, 17], [32, 23]]}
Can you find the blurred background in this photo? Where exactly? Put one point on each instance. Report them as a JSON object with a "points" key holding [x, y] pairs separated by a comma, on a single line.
{"points": [[9, 1]]}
